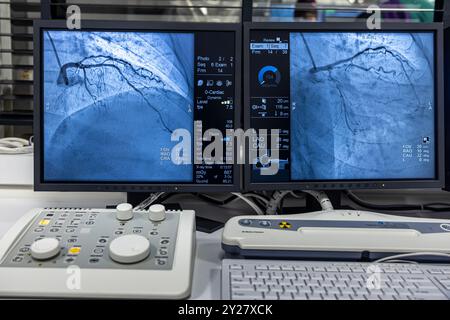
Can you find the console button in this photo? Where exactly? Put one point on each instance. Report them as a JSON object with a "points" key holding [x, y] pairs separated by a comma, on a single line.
{"points": [[46, 248], [124, 212], [74, 250], [264, 223], [157, 212], [129, 248], [98, 250]]}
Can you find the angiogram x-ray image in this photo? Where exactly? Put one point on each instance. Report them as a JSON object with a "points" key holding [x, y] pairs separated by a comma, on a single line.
{"points": [[363, 105], [111, 101]]}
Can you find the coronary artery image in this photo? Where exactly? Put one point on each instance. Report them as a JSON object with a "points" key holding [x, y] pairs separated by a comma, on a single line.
{"points": [[111, 101], [362, 105]]}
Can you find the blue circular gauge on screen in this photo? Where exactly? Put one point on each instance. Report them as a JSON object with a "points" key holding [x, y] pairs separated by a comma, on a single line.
{"points": [[269, 76]]}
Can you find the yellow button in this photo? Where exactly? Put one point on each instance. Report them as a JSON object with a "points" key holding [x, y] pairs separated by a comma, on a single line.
{"points": [[285, 225], [74, 250], [44, 222]]}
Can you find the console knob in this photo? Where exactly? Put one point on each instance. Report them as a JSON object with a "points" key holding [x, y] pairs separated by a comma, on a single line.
{"points": [[157, 212], [129, 249], [124, 211], [45, 248]]}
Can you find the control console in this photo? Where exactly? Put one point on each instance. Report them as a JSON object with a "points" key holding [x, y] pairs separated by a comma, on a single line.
{"points": [[335, 235], [104, 253]]}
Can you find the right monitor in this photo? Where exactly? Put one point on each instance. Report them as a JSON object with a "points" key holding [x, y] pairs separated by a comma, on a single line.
{"points": [[354, 108]]}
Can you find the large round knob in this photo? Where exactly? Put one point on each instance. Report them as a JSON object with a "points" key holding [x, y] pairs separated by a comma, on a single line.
{"points": [[129, 249], [45, 248], [124, 211], [157, 212]]}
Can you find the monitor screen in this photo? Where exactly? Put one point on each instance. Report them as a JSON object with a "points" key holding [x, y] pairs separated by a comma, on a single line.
{"points": [[122, 106], [349, 105]]}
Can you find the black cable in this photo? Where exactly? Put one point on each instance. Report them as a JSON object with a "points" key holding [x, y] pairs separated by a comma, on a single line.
{"points": [[398, 207], [165, 196], [215, 200]]}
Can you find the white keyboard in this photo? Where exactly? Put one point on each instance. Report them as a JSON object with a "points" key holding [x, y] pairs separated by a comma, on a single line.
{"points": [[302, 280]]}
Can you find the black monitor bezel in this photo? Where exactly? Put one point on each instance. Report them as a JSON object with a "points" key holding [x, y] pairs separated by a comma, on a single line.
{"points": [[41, 185], [437, 182]]}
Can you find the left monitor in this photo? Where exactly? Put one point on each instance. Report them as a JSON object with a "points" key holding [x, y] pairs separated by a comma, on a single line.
{"points": [[120, 105]]}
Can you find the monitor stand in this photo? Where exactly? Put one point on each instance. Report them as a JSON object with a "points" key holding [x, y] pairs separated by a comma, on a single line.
{"points": [[202, 224]]}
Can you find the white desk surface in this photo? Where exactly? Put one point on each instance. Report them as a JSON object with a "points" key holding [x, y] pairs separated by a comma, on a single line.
{"points": [[15, 202]]}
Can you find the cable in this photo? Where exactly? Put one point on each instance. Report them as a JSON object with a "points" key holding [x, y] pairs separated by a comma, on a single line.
{"points": [[274, 202], [215, 200], [414, 254], [438, 206], [297, 196], [262, 198], [322, 198], [15, 146], [149, 200], [249, 202]]}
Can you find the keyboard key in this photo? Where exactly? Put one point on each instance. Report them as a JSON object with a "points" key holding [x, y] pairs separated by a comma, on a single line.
{"points": [[315, 297], [247, 296], [299, 268], [444, 283], [285, 296], [333, 291], [271, 296], [275, 288], [262, 288], [257, 282], [290, 289], [274, 267], [240, 281], [300, 296], [261, 267], [242, 287], [271, 282], [287, 268], [331, 269], [236, 267]]}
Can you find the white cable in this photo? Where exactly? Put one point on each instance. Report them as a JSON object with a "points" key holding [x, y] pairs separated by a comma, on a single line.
{"points": [[275, 201], [257, 196], [15, 146], [148, 201], [249, 202], [292, 193], [414, 254], [322, 198]]}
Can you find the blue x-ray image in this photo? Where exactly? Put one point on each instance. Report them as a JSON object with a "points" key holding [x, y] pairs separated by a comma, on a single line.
{"points": [[362, 105], [111, 101]]}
